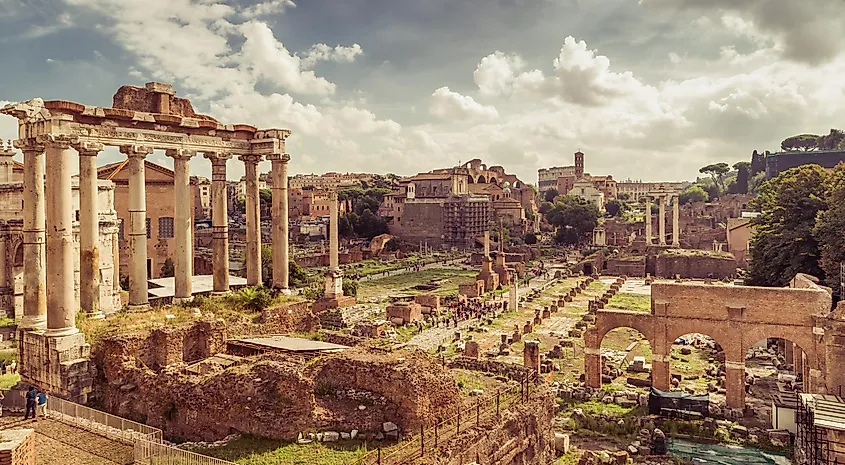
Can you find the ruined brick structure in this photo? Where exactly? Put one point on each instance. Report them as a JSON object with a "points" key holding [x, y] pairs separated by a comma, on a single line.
{"points": [[736, 318], [694, 264]]}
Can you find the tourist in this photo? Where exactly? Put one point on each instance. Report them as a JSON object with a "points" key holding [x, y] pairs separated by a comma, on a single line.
{"points": [[3, 367], [13, 368], [1, 403], [31, 400], [42, 403]]}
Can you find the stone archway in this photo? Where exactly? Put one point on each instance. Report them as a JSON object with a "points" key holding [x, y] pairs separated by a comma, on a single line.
{"points": [[481, 179]]}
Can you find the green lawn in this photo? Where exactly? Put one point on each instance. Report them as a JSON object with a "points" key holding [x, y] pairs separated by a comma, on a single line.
{"points": [[7, 381], [633, 302], [258, 451], [448, 279]]}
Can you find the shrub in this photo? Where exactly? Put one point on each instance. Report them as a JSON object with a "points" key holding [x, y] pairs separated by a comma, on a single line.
{"points": [[255, 298], [350, 287]]}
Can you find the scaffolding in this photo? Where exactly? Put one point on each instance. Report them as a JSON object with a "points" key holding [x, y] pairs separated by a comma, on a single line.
{"points": [[820, 439]]}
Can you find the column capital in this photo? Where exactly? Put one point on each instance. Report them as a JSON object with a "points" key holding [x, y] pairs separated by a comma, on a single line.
{"points": [[283, 157], [218, 158], [59, 141], [28, 145], [180, 153], [136, 150], [90, 149], [250, 159]]}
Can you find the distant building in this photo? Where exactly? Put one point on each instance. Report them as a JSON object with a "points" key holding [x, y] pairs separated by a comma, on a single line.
{"points": [[636, 189], [779, 162], [202, 197], [328, 180], [587, 191], [547, 177]]}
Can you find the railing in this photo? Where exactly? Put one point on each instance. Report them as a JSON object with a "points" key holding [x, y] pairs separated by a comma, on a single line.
{"points": [[155, 453], [468, 417], [120, 429]]}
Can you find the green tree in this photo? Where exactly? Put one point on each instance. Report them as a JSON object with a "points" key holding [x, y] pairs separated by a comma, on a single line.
{"points": [[574, 218], [167, 268], [756, 181], [530, 238], [345, 225], [255, 298], [783, 243], [297, 276], [800, 143], [370, 225], [614, 207], [743, 169], [693, 193], [829, 228], [717, 171], [350, 287], [550, 194], [393, 244], [240, 204], [835, 140]]}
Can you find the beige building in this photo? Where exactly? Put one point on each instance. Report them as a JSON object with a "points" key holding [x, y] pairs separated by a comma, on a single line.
{"points": [[739, 232], [202, 198], [547, 177], [587, 191], [327, 180], [636, 189]]}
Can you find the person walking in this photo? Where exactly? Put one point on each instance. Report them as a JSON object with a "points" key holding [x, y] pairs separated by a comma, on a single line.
{"points": [[2, 396], [31, 401], [42, 403]]}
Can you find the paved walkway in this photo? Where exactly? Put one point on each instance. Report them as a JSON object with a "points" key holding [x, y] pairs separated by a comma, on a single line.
{"points": [[60, 444]]}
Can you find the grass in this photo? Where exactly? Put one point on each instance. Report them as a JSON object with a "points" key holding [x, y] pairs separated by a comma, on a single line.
{"points": [[7, 322], [451, 279], [595, 407], [570, 458], [258, 451], [7, 381], [633, 302], [467, 382], [9, 354]]}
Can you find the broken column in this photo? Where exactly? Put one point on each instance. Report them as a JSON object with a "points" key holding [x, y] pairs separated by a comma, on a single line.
{"points": [[219, 221], [487, 245], [531, 355], [513, 295], [471, 349], [253, 220], [661, 220], [280, 220], [138, 292], [34, 236], [89, 230], [183, 261]]}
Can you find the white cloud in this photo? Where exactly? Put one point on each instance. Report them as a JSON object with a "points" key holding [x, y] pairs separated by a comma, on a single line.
{"points": [[454, 106], [323, 52], [496, 72], [267, 8]]}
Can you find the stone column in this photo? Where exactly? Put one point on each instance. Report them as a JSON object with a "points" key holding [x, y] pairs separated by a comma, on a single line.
{"points": [[735, 384], [334, 262], [183, 225], [280, 220], [676, 239], [531, 356], [138, 295], [487, 244], [648, 219], [61, 302], [253, 220], [89, 230], [4, 274], [661, 220], [219, 221], [34, 237]]}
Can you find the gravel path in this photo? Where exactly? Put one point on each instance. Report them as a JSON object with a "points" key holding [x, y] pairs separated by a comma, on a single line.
{"points": [[59, 444]]}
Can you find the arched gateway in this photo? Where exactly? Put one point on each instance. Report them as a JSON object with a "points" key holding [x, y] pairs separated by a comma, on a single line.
{"points": [[735, 316]]}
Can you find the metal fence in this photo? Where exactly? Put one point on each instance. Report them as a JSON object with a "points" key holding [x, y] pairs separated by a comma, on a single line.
{"points": [[111, 426], [468, 417], [155, 453]]}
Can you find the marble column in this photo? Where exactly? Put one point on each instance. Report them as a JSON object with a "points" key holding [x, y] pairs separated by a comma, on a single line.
{"points": [[253, 220], [183, 225], [661, 220], [138, 295], [89, 230], [648, 220], [61, 300], [334, 262], [280, 221], [676, 239], [219, 221], [34, 237]]}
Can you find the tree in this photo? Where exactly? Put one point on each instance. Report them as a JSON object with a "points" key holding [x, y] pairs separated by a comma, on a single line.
{"points": [[783, 243], [346, 225], [743, 175], [530, 238], [693, 193], [393, 244], [574, 218], [829, 227], [545, 207], [550, 194], [369, 225], [835, 140], [350, 287], [167, 268], [800, 143], [756, 181], [614, 207], [240, 204], [717, 171], [296, 275]]}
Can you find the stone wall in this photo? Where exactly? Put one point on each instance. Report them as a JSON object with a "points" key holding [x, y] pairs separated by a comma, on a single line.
{"points": [[421, 222], [695, 265], [508, 370], [627, 266]]}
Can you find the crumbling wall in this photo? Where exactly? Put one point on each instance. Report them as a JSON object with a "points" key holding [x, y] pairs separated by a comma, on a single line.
{"points": [[627, 266], [695, 265], [522, 436], [509, 370]]}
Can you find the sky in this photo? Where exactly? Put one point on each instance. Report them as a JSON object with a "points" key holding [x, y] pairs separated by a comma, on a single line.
{"points": [[647, 89]]}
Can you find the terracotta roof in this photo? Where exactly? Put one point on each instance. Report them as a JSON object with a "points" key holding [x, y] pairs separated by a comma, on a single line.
{"points": [[430, 176]]}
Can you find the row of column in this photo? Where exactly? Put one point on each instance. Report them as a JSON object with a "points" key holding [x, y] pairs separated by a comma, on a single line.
{"points": [[662, 199], [48, 216]]}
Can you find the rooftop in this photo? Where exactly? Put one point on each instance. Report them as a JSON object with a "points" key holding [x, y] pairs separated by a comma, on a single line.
{"points": [[828, 411]]}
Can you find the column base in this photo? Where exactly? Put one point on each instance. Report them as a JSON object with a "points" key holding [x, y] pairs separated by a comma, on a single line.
{"points": [[33, 323], [60, 332], [285, 291], [138, 307], [98, 315], [676, 245], [58, 364], [220, 293], [182, 300]]}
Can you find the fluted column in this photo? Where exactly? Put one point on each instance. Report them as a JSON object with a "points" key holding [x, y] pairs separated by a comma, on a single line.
{"points": [[661, 221], [219, 221], [334, 262], [89, 230], [280, 220], [183, 258], [676, 239], [61, 302], [253, 220], [34, 237], [648, 219], [138, 295]]}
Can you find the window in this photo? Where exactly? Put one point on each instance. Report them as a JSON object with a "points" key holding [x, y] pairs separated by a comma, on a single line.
{"points": [[149, 229], [165, 227], [120, 229]]}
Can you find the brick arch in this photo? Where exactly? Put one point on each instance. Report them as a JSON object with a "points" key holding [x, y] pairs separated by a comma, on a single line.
{"points": [[804, 342], [481, 179], [674, 330], [634, 320]]}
